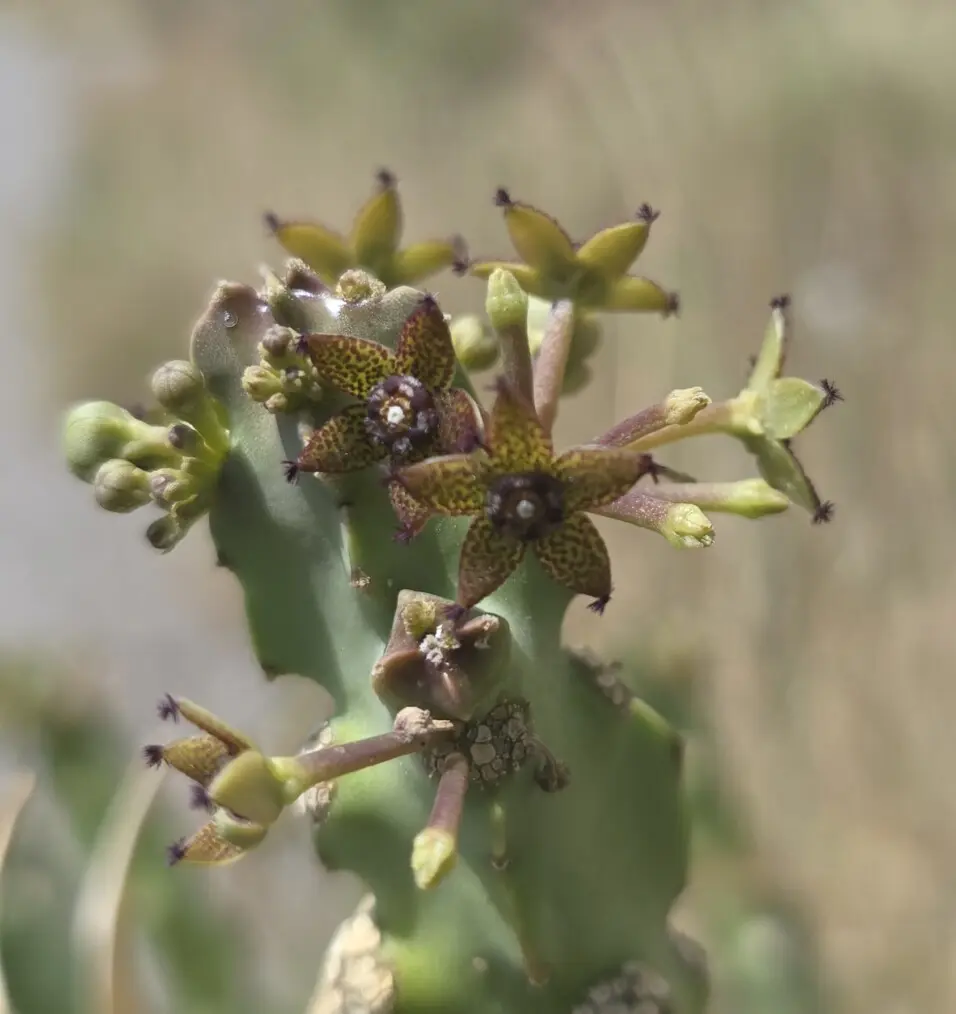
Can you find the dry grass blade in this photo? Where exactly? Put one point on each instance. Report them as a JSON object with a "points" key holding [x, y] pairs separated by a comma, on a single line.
{"points": [[10, 812], [99, 918]]}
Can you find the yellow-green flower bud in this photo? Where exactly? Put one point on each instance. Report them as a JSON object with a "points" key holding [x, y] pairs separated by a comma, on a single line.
{"points": [[475, 346], [357, 286], [178, 385], [687, 527], [249, 788], [506, 302], [95, 432], [682, 405], [261, 382], [120, 486]]}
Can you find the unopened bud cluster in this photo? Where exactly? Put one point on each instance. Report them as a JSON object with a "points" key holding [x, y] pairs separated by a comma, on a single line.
{"points": [[169, 457]]}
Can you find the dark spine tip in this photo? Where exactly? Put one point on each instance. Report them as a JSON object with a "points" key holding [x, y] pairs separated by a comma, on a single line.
{"points": [[273, 224], [455, 613], [429, 302], [290, 469], [168, 708], [832, 393], [460, 266], [648, 466], [645, 213], [780, 302], [386, 179], [673, 305], [503, 198], [404, 535], [153, 755], [824, 513], [302, 346], [599, 605], [176, 852], [199, 799]]}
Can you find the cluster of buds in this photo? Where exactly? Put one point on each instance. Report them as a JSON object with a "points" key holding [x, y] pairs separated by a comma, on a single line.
{"points": [[245, 792], [169, 456]]}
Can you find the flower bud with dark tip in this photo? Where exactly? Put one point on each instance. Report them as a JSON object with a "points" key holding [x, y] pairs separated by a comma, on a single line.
{"points": [[178, 386], [165, 533], [278, 342], [184, 438], [121, 487], [506, 303], [168, 486]]}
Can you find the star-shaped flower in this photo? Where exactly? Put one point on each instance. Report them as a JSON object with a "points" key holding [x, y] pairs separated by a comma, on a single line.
{"points": [[373, 243], [521, 495], [592, 274], [407, 408]]}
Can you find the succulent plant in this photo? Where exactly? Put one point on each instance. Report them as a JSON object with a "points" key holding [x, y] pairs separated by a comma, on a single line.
{"points": [[523, 835]]}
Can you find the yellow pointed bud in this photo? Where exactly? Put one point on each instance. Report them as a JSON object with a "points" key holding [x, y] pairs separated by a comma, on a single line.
{"points": [[324, 250], [538, 239], [687, 527], [197, 757], [682, 405], [418, 261], [377, 228], [434, 854], [208, 722], [612, 251], [640, 295], [248, 787], [206, 847]]}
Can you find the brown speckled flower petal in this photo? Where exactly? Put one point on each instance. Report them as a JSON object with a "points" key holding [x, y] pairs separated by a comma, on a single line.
{"points": [[449, 484], [518, 442], [594, 476], [424, 347], [575, 556], [411, 514], [487, 559], [353, 365], [341, 445], [459, 430]]}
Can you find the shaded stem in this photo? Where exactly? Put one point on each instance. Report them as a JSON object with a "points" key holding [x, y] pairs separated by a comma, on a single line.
{"points": [[715, 418], [551, 362]]}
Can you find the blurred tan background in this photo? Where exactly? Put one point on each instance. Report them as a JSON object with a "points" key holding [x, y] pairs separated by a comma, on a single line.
{"points": [[805, 147]]}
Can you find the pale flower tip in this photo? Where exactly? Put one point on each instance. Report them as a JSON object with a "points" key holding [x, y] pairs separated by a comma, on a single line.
{"points": [[682, 405], [434, 854], [687, 527], [506, 302]]}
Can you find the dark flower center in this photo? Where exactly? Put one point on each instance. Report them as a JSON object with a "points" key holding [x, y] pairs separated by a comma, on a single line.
{"points": [[401, 415], [526, 505]]}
